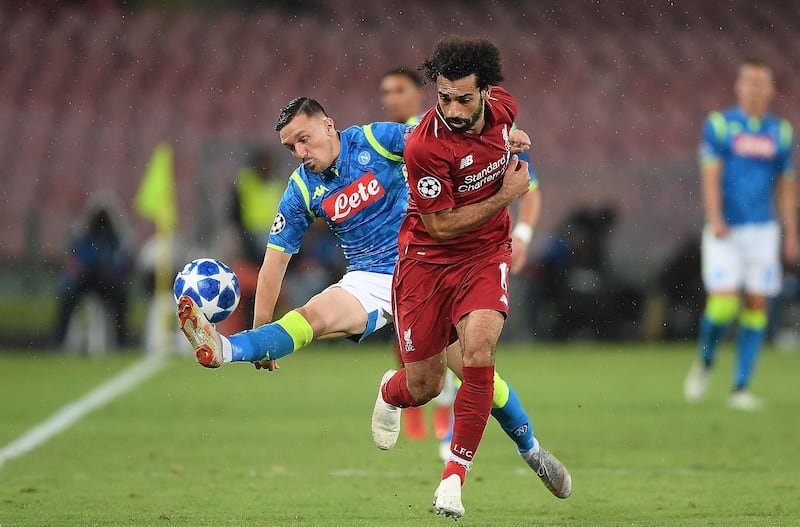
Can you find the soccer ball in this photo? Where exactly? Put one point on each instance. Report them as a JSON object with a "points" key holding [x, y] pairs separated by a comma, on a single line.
{"points": [[212, 285]]}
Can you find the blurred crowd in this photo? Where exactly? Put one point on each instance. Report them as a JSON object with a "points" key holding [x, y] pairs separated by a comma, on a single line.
{"points": [[89, 88]]}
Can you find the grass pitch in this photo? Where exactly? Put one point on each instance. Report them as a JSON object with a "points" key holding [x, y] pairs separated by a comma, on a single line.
{"points": [[293, 448]]}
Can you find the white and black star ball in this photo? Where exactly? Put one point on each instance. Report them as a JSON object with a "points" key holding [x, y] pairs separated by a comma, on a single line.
{"points": [[278, 224], [429, 187]]}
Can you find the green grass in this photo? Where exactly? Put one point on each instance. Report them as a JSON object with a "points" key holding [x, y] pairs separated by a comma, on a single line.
{"points": [[239, 447]]}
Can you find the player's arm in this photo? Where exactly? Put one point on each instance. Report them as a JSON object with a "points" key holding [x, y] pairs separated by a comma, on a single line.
{"points": [[270, 280], [711, 166], [291, 223], [453, 222], [528, 216], [711, 177], [519, 140], [787, 194], [787, 208]]}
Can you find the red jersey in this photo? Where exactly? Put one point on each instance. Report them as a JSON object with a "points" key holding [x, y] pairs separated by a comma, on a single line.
{"points": [[448, 170]]}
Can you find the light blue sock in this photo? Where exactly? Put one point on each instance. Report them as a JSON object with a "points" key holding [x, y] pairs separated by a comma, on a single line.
{"points": [[514, 421], [752, 329], [269, 340], [748, 343], [449, 435], [272, 341], [719, 314], [710, 335]]}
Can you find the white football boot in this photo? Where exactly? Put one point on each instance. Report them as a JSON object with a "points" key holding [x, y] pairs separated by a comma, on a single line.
{"points": [[745, 401], [551, 471], [385, 418], [447, 498], [200, 332], [696, 383]]}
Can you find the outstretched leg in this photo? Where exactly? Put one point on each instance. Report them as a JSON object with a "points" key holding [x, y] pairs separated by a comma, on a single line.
{"points": [[334, 313]]}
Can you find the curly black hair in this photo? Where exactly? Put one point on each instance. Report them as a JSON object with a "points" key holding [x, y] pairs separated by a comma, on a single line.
{"points": [[457, 57], [306, 105]]}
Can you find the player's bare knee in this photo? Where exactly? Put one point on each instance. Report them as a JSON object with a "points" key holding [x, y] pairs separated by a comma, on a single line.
{"points": [[479, 349], [314, 318], [426, 387], [479, 353], [755, 302]]}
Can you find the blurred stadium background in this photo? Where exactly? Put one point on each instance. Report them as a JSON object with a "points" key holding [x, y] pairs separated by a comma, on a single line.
{"points": [[612, 93]]}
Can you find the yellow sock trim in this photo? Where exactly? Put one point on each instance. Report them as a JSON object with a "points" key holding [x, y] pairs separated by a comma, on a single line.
{"points": [[721, 309], [500, 392], [298, 328], [753, 318]]}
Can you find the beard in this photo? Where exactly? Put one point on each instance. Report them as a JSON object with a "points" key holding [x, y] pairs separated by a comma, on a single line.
{"points": [[461, 125]]}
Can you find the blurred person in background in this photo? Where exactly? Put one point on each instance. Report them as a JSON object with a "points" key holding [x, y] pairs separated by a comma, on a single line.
{"points": [[255, 197], [98, 261], [746, 168], [401, 97], [585, 295]]}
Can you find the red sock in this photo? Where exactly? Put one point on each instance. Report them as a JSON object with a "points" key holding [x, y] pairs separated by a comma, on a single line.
{"points": [[396, 391], [472, 407], [455, 468]]}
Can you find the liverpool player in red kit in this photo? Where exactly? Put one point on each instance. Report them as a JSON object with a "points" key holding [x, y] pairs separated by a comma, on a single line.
{"points": [[451, 280]]}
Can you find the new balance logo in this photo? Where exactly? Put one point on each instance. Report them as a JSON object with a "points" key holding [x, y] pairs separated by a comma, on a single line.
{"points": [[466, 161], [407, 340], [319, 191]]}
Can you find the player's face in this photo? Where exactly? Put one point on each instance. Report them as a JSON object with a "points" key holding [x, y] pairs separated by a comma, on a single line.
{"points": [[461, 103], [312, 140], [400, 97], [754, 88]]}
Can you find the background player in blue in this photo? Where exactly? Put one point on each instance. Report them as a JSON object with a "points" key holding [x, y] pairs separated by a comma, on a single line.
{"points": [[401, 94], [746, 159], [354, 180]]}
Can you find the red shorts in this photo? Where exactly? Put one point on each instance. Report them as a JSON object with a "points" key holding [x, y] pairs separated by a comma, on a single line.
{"points": [[429, 299]]}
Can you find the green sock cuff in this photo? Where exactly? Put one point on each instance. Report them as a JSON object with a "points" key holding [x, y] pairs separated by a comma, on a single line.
{"points": [[721, 309], [753, 319], [500, 392], [298, 328]]}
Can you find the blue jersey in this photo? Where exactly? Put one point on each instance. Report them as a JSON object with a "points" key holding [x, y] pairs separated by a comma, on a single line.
{"points": [[754, 153], [363, 198]]}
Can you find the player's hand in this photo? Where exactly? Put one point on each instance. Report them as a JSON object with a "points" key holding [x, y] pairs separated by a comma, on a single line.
{"points": [[520, 142], [270, 365], [720, 228], [791, 247], [519, 255], [516, 179]]}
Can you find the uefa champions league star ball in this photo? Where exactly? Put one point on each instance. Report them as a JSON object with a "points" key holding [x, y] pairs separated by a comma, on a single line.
{"points": [[212, 285]]}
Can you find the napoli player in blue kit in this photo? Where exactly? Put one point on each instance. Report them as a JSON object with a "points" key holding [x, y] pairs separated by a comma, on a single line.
{"points": [[746, 167], [354, 180]]}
